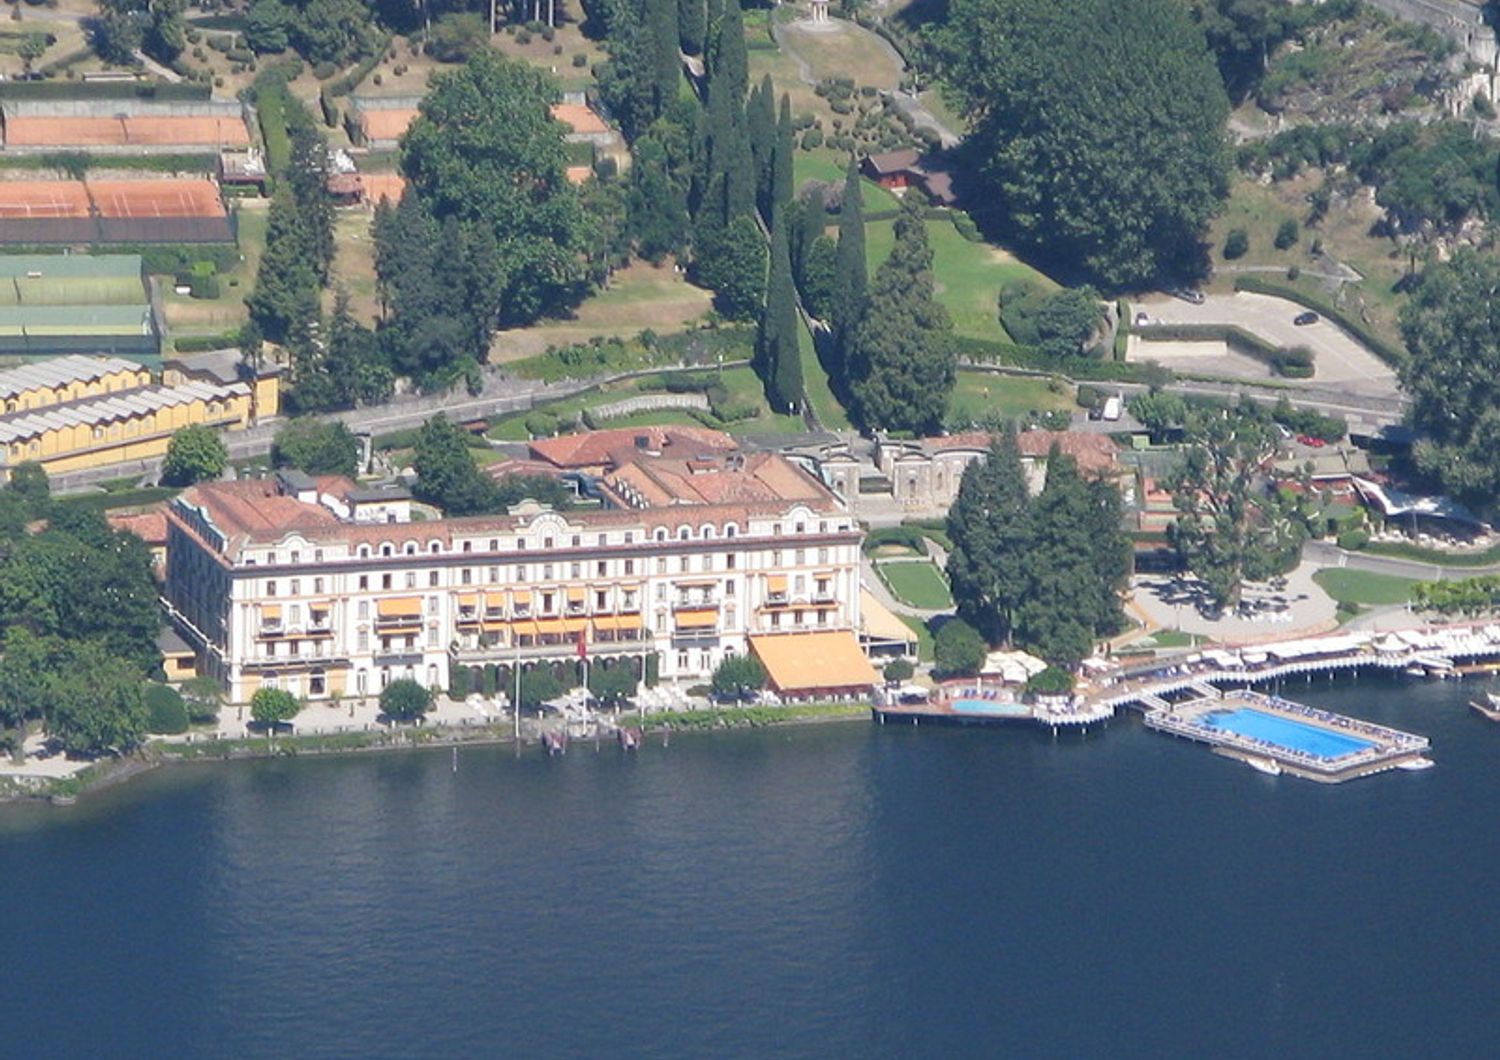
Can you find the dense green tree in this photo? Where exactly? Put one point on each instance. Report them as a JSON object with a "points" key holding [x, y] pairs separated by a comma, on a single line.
{"points": [[818, 266], [1098, 126], [510, 490], [739, 270], [851, 276], [447, 476], [812, 221], [760, 128], [991, 533], [166, 713], [29, 483], [692, 25], [405, 700], [657, 206], [1059, 324], [195, 453], [80, 580], [782, 157], [285, 297], [269, 25], [958, 649], [737, 676], [538, 685], [777, 356], [729, 61], [900, 364], [1453, 375], [318, 447], [611, 685], [273, 707], [661, 28], [458, 36], [1064, 595], [96, 703], [27, 663], [1233, 525], [154, 26], [486, 151], [1159, 412]]}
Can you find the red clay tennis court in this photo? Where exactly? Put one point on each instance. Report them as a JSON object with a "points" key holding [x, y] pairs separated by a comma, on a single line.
{"points": [[379, 186], [41, 199], [125, 131], [156, 198]]}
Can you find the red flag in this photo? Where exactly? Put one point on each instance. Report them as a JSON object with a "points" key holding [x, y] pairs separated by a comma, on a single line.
{"points": [[583, 649]]}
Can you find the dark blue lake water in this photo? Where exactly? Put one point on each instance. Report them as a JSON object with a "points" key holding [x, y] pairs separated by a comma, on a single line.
{"points": [[843, 890]]}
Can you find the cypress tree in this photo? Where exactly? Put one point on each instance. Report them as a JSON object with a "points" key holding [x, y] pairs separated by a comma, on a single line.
{"points": [[760, 129], [781, 162], [692, 25], [817, 277], [813, 219], [850, 275], [729, 69], [991, 533], [661, 30], [777, 352], [900, 366], [657, 212]]}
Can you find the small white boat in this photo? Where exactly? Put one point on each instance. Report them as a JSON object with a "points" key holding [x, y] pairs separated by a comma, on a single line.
{"points": [[1416, 764], [1414, 671], [1489, 708], [1263, 765]]}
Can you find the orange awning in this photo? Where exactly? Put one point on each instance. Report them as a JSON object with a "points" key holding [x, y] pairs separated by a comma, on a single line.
{"points": [[494, 601], [628, 622], [776, 583], [522, 629], [697, 619], [469, 600], [577, 594], [521, 596], [807, 662], [605, 622], [400, 607], [562, 626], [270, 613]]}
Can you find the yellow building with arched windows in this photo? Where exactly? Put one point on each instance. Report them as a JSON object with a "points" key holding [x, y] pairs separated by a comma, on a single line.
{"points": [[75, 413]]}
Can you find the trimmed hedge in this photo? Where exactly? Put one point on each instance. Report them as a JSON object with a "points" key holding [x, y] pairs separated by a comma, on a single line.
{"points": [[981, 352], [201, 343], [1389, 352], [67, 160], [161, 258]]}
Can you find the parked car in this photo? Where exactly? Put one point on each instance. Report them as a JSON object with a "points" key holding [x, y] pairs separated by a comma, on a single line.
{"points": [[1187, 294], [1311, 442], [1142, 318], [1303, 319]]}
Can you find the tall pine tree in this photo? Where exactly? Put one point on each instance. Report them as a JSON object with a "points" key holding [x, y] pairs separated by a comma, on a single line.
{"points": [[777, 354], [850, 273], [900, 364]]}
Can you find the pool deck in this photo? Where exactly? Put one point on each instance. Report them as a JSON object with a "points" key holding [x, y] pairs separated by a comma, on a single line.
{"points": [[1063, 713], [1388, 748]]}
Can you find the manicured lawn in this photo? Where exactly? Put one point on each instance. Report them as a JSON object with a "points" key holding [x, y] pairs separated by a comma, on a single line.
{"points": [[968, 276], [212, 316], [924, 637], [815, 382], [916, 584], [1010, 396], [830, 167], [1364, 587]]}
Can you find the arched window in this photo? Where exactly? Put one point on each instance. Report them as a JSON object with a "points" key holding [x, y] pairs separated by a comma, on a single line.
{"points": [[386, 550], [729, 530], [364, 551], [684, 533]]}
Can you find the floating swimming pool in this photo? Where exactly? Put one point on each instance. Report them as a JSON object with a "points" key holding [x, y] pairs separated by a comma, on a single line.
{"points": [[1284, 732], [990, 708]]}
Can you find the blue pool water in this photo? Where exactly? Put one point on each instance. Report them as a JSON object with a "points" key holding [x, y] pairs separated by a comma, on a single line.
{"points": [[995, 707], [1284, 732]]}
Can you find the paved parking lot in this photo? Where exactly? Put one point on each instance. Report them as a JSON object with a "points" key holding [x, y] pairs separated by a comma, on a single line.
{"points": [[1339, 358]]}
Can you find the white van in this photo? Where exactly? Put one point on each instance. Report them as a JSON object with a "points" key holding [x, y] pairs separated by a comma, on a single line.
{"points": [[1111, 408]]}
